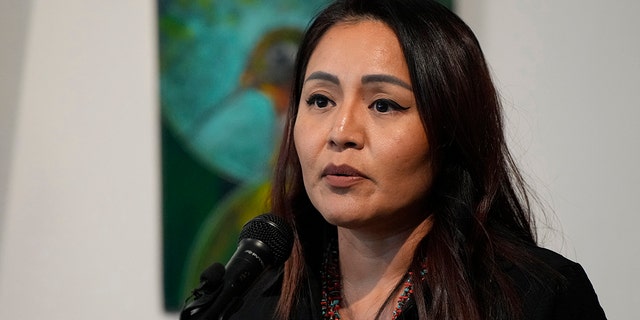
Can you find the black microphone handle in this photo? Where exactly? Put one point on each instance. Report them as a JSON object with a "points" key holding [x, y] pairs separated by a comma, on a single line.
{"points": [[246, 264]]}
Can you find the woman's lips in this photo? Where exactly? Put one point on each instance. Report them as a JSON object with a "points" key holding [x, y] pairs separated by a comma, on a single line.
{"points": [[342, 176]]}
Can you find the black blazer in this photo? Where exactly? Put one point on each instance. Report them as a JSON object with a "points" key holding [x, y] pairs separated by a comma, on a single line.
{"points": [[570, 298]]}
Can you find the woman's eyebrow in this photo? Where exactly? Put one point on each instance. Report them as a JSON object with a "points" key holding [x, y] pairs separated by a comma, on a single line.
{"points": [[385, 78], [321, 75]]}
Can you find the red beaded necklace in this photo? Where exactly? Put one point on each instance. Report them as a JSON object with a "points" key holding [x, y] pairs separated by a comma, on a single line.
{"points": [[332, 287]]}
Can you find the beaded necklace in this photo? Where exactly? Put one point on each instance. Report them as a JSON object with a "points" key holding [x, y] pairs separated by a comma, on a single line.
{"points": [[332, 287]]}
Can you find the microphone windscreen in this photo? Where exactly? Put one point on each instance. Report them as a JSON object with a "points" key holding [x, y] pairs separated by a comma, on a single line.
{"points": [[272, 230]]}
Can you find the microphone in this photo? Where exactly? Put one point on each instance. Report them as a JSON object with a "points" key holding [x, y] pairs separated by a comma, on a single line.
{"points": [[264, 241]]}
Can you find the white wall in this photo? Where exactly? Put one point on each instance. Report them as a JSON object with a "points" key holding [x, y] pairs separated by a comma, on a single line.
{"points": [[79, 158], [80, 234], [569, 72]]}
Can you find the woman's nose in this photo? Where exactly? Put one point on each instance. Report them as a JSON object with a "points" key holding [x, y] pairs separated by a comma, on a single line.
{"points": [[348, 127]]}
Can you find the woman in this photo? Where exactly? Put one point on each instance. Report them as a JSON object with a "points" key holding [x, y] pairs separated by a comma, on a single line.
{"points": [[395, 174]]}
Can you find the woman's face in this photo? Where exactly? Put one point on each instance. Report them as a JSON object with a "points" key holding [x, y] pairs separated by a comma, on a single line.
{"points": [[362, 146]]}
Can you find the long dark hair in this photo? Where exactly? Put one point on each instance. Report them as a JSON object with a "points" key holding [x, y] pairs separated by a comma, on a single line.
{"points": [[478, 199]]}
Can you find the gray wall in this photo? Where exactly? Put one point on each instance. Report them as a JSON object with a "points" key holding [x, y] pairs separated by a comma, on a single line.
{"points": [[80, 232], [79, 158], [13, 30]]}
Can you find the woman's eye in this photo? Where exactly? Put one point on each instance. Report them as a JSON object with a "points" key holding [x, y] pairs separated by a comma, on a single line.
{"points": [[318, 101], [385, 106]]}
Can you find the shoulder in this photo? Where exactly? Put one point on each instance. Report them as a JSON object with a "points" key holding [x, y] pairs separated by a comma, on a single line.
{"points": [[554, 287], [261, 300]]}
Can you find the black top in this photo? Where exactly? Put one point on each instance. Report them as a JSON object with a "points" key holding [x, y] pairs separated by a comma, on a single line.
{"points": [[570, 298]]}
